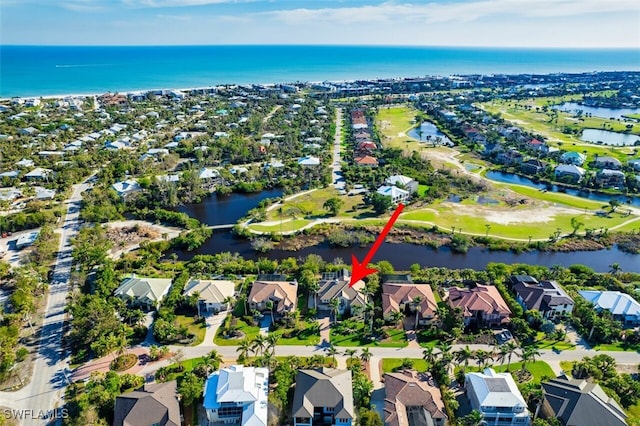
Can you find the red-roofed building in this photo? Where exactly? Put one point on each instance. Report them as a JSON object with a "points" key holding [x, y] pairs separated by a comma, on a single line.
{"points": [[400, 297], [366, 161], [482, 305]]}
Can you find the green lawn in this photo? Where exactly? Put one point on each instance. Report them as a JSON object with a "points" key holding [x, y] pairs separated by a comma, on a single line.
{"points": [[390, 364], [634, 415], [543, 343], [287, 225], [426, 338], [554, 197], [567, 366], [307, 335], [450, 217], [397, 338], [538, 369], [618, 346], [250, 332], [195, 328], [310, 205]]}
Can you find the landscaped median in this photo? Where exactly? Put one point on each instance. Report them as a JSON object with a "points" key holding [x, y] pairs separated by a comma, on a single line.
{"points": [[356, 334]]}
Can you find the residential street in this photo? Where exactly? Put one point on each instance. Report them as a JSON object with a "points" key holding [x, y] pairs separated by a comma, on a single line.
{"points": [[46, 388], [336, 165]]}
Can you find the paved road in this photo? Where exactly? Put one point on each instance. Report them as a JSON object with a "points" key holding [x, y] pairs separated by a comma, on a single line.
{"points": [[336, 165], [46, 388]]}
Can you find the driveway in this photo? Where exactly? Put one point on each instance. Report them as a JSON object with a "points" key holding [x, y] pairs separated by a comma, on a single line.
{"points": [[213, 324], [325, 327]]}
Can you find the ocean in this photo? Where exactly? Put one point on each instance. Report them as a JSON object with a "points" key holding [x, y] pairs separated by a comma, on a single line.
{"points": [[57, 70]]}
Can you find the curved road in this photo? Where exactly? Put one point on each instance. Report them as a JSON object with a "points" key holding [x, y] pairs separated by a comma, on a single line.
{"points": [[40, 398]]}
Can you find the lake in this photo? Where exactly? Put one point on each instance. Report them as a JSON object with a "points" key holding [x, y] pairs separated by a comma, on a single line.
{"points": [[608, 137], [596, 111], [596, 196], [216, 211], [428, 132]]}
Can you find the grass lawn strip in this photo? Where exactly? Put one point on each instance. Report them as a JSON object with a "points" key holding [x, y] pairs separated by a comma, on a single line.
{"points": [[198, 329]]}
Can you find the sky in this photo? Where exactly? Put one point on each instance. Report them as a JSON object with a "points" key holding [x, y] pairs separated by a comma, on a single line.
{"points": [[489, 23]]}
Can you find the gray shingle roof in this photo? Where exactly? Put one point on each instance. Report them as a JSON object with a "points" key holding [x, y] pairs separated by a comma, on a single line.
{"points": [[323, 387], [580, 403], [153, 404]]}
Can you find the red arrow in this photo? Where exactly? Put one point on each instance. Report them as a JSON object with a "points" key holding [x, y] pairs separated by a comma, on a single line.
{"points": [[360, 270]]}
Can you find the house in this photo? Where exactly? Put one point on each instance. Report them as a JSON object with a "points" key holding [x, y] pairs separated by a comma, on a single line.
{"points": [[28, 131], [396, 194], [497, 397], [365, 161], [39, 174], [144, 292], [207, 173], [412, 399], [610, 178], [212, 294], [115, 146], [532, 166], [126, 187], [25, 240], [10, 194], [172, 178], [482, 305], [547, 297], [274, 164], [400, 297], [44, 194], [403, 182], [25, 163], [580, 403], [237, 395], [634, 164], [537, 146], [282, 294], [509, 157], [309, 161], [335, 285], [605, 162], [569, 172], [622, 306], [573, 157], [153, 404], [323, 396]]}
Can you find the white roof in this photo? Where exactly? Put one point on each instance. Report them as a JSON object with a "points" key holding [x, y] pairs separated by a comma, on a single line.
{"points": [[126, 186], [614, 301], [309, 161], [398, 179], [495, 389], [570, 168], [9, 194], [211, 291], [247, 386], [206, 173], [38, 172], [169, 178], [153, 289], [25, 163], [392, 191]]}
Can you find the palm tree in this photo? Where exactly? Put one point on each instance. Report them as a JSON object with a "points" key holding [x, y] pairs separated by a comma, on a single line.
{"points": [[269, 306], [396, 317], [258, 344], [429, 355], [332, 352], [510, 348], [229, 300], [415, 303], [313, 290], [350, 353], [334, 304], [365, 355], [212, 361], [502, 354], [369, 311], [481, 357], [271, 342], [244, 348], [615, 268], [529, 354], [445, 349], [474, 418], [463, 356]]}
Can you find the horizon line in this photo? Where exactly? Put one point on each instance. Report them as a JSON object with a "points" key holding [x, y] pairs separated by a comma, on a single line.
{"points": [[414, 46]]}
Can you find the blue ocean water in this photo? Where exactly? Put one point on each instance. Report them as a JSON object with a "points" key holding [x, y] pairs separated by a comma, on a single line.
{"points": [[54, 70]]}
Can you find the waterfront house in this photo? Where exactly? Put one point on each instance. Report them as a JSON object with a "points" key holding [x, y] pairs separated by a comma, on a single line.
{"points": [[608, 178], [622, 306], [335, 285], [206, 173], [412, 398], [532, 166], [237, 395], [401, 296], [152, 404], [482, 305], [212, 294], [497, 398], [547, 297], [580, 403], [143, 292], [281, 295], [573, 157], [605, 162], [396, 194], [403, 182], [569, 172], [323, 396]]}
